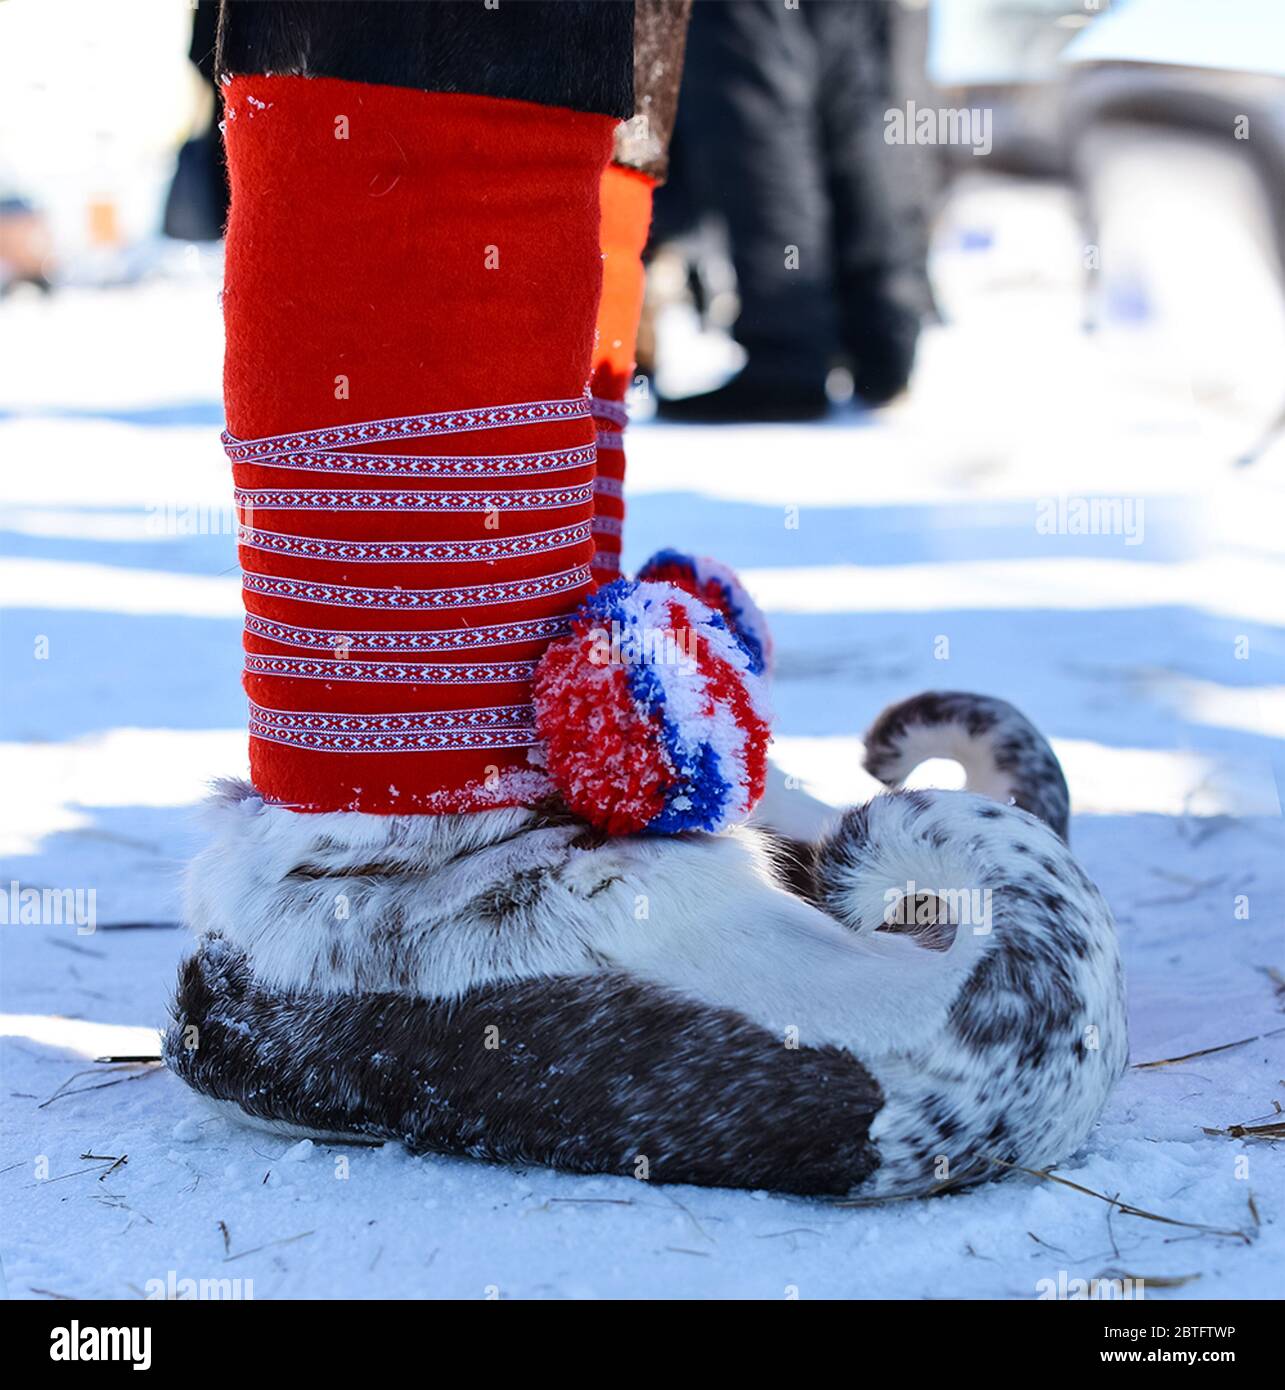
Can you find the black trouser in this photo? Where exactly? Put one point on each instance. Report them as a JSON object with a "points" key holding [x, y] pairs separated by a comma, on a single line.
{"points": [[615, 57], [572, 53], [781, 133]]}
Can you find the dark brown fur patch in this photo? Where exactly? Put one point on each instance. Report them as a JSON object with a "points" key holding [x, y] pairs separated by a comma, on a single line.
{"points": [[589, 1073]]}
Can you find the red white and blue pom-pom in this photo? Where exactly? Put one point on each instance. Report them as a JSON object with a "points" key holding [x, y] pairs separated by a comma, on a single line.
{"points": [[651, 713], [717, 586]]}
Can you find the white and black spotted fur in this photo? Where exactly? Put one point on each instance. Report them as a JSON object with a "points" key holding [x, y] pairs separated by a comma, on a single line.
{"points": [[513, 986], [1002, 753]]}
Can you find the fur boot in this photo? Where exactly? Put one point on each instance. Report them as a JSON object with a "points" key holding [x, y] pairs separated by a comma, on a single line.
{"points": [[946, 999]]}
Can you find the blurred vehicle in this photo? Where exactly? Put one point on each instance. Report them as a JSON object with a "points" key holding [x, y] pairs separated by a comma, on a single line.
{"points": [[1168, 118], [1175, 120]]}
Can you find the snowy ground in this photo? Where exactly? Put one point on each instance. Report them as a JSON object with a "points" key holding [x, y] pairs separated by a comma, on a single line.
{"points": [[893, 554]]}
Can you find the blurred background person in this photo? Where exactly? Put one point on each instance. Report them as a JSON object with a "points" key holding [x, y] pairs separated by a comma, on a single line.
{"points": [[780, 137], [24, 242], [196, 208]]}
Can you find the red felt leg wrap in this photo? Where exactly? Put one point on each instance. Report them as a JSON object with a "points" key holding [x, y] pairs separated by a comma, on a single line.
{"points": [[411, 286], [626, 220]]}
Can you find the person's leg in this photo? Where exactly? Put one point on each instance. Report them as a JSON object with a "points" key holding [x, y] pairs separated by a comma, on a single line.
{"points": [[422, 260], [752, 139], [196, 207], [639, 164], [626, 216], [410, 298], [426, 260], [878, 235]]}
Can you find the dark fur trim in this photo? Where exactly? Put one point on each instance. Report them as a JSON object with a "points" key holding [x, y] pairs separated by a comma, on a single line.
{"points": [[589, 1074], [660, 36], [793, 864]]}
